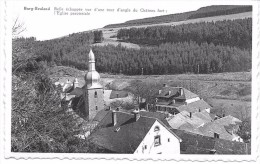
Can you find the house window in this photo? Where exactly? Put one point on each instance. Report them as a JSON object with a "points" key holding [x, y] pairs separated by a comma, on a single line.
{"points": [[169, 140], [145, 146], [157, 140], [156, 128], [96, 108], [95, 94]]}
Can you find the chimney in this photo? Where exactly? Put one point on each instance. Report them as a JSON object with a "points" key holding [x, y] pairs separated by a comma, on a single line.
{"points": [[173, 101], [109, 108], [160, 91], [75, 83], [114, 120], [216, 135], [190, 114], [137, 114], [181, 91], [170, 92]]}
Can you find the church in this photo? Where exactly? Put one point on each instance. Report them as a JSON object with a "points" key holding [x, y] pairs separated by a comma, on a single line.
{"points": [[93, 91], [90, 97]]}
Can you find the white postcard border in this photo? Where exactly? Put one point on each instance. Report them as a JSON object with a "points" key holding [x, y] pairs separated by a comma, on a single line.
{"points": [[6, 105]]}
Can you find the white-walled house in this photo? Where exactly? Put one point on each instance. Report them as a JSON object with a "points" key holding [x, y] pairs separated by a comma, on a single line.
{"points": [[132, 133], [159, 140]]}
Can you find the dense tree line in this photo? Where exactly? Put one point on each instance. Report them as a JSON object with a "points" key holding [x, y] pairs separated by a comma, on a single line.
{"points": [[172, 59], [195, 48], [207, 11], [219, 10], [98, 36], [236, 33], [53, 51]]}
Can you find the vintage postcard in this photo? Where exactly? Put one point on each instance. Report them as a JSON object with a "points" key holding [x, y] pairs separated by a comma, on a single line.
{"points": [[130, 80]]}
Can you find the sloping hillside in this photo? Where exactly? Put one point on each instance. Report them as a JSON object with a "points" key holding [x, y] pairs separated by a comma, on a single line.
{"points": [[203, 12]]}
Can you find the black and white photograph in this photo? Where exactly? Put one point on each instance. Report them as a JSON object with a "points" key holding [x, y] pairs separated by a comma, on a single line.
{"points": [[174, 80]]}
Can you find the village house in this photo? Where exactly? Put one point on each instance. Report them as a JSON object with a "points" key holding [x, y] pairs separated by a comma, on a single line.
{"points": [[138, 131], [133, 133], [174, 100], [199, 144]]}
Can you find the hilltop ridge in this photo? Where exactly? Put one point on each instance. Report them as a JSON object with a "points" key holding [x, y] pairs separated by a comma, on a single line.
{"points": [[208, 11]]}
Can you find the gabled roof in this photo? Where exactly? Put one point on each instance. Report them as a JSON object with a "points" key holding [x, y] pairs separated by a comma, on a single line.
{"points": [[220, 126], [77, 92], [126, 135], [175, 93], [184, 117], [101, 115], [198, 144], [159, 116], [227, 120], [194, 106]]}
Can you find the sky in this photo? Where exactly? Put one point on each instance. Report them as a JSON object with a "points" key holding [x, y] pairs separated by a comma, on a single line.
{"points": [[47, 24]]}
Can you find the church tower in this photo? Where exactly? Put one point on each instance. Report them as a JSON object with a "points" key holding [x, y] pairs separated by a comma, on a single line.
{"points": [[93, 91]]}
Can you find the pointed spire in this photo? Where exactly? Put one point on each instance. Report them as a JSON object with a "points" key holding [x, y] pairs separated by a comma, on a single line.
{"points": [[91, 61], [91, 56]]}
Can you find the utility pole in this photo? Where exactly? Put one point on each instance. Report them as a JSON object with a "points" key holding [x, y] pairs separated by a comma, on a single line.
{"points": [[198, 68]]}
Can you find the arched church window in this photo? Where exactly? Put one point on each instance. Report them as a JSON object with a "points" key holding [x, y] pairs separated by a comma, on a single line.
{"points": [[95, 94]]}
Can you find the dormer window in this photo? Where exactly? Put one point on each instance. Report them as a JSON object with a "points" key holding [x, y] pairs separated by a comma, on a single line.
{"points": [[156, 128], [95, 94]]}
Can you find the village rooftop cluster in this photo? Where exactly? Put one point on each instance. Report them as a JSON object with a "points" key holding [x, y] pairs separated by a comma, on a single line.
{"points": [[182, 124]]}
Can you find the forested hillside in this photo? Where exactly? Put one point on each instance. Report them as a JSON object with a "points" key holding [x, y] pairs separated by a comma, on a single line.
{"points": [[208, 11], [237, 33], [40, 123], [223, 46]]}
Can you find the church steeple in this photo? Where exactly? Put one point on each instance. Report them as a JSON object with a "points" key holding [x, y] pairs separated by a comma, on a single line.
{"points": [[91, 61], [92, 78], [93, 90]]}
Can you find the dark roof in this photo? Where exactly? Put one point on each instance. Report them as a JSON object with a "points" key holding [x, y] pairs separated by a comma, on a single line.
{"points": [[175, 92], [159, 116], [100, 115], [69, 89], [198, 144], [77, 92], [129, 135], [118, 94], [126, 135]]}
